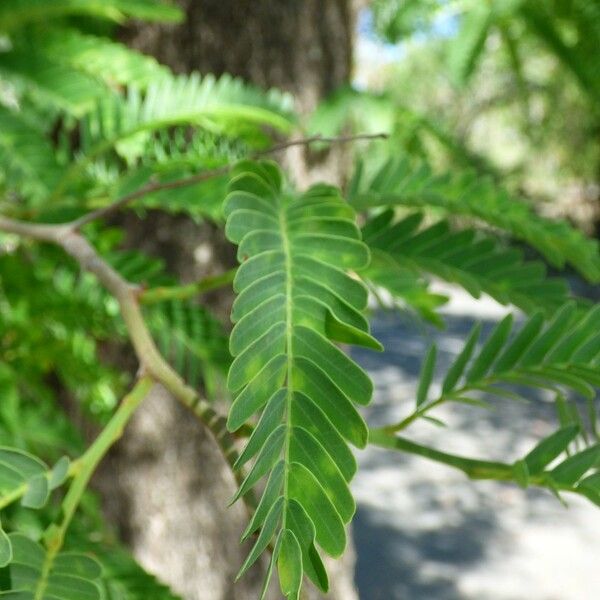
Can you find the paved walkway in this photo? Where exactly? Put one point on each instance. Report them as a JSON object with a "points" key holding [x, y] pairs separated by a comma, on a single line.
{"points": [[425, 532]]}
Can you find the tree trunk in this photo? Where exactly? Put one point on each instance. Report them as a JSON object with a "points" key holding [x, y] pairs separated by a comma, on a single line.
{"points": [[304, 47], [166, 485]]}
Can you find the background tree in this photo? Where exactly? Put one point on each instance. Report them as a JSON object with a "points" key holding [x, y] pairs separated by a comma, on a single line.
{"points": [[306, 49], [91, 128]]}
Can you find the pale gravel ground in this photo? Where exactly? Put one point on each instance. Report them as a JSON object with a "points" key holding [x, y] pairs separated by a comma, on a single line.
{"points": [[425, 532]]}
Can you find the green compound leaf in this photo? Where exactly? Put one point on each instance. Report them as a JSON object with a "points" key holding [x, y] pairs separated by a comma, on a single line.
{"points": [[562, 352], [549, 448], [25, 476], [5, 548], [295, 299], [479, 262], [289, 565], [426, 375], [73, 576], [398, 182]]}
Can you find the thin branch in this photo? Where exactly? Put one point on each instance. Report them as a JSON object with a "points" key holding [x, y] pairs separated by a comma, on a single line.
{"points": [[454, 396], [155, 186], [151, 361], [471, 467], [87, 464], [46, 233], [129, 296], [181, 292], [419, 412], [341, 139], [475, 469]]}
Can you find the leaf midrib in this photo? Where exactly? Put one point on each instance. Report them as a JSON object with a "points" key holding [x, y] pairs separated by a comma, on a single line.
{"points": [[290, 359]]}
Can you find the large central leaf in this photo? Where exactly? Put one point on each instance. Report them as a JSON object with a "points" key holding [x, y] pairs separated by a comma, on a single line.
{"points": [[295, 299]]}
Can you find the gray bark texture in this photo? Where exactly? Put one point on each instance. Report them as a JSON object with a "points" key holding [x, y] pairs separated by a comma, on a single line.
{"points": [[166, 486], [301, 46]]}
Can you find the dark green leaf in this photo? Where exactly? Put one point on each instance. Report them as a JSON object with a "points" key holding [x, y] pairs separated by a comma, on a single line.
{"points": [[426, 375], [549, 448]]}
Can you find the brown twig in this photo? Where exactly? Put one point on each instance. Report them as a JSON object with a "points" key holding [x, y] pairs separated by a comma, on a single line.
{"points": [[153, 186], [149, 357], [156, 186], [152, 363], [341, 139]]}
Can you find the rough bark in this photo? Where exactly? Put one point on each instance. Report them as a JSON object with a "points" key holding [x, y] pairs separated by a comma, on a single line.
{"points": [[166, 485], [301, 46]]}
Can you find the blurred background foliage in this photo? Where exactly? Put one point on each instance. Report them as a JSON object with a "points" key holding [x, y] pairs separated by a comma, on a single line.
{"points": [[509, 88], [502, 90]]}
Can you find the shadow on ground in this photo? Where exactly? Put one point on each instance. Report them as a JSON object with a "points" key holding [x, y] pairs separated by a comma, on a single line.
{"points": [[423, 531]]}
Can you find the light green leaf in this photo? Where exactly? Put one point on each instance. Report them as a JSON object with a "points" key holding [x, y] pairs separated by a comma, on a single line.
{"points": [[264, 462], [59, 473], [306, 414], [307, 491], [270, 419], [552, 334], [492, 347], [37, 492], [515, 350], [316, 385], [549, 448], [295, 299], [271, 493], [257, 392], [72, 576], [5, 548], [573, 468], [289, 565], [457, 369], [299, 522], [426, 375], [307, 451]]}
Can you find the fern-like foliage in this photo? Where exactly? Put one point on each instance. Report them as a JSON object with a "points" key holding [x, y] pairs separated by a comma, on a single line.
{"points": [[398, 182], [73, 575], [18, 13], [556, 463], [50, 83], [471, 258], [570, 473], [193, 341], [26, 156], [176, 154], [127, 124], [562, 353], [215, 104], [26, 476], [77, 109], [54, 331], [466, 49], [548, 21], [124, 579], [188, 335], [295, 299], [101, 58], [408, 289]]}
